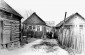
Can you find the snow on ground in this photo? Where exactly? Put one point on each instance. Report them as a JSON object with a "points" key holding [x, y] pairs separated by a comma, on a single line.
{"points": [[29, 50]]}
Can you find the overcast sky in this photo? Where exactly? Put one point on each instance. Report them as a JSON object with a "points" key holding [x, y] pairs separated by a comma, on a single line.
{"points": [[49, 10]]}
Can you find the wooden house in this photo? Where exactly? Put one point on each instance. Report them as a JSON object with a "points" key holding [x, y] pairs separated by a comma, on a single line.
{"points": [[9, 26], [71, 32], [34, 26]]}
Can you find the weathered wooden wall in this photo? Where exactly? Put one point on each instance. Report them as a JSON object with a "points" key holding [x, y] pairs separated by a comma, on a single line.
{"points": [[37, 32], [10, 28], [73, 36]]}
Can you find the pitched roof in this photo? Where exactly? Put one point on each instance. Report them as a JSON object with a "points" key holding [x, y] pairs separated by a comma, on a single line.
{"points": [[62, 22], [34, 19], [4, 6]]}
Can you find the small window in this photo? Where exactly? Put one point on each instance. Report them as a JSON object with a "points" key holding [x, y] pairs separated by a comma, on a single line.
{"points": [[38, 28], [30, 27], [68, 26], [81, 26], [33, 27]]}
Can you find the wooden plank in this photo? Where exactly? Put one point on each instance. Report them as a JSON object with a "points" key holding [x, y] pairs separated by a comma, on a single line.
{"points": [[15, 29], [16, 44], [6, 39], [6, 23], [16, 21], [14, 38], [6, 32], [9, 45], [15, 35], [10, 30], [13, 45], [7, 26], [7, 29], [15, 24]]}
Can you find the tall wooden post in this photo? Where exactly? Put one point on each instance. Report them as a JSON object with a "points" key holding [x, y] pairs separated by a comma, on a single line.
{"points": [[20, 36]]}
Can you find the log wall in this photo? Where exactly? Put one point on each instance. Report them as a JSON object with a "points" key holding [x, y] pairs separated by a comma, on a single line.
{"points": [[10, 29]]}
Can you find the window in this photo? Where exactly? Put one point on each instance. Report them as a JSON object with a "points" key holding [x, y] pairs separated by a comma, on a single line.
{"points": [[38, 28], [33, 27], [68, 26], [29, 27], [81, 26]]}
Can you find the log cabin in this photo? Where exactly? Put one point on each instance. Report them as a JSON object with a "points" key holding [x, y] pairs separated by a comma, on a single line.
{"points": [[71, 33], [10, 22]]}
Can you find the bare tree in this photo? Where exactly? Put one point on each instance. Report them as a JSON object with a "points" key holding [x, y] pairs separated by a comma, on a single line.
{"points": [[28, 13]]}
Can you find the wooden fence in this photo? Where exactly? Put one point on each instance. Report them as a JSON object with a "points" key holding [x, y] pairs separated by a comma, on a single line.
{"points": [[72, 38]]}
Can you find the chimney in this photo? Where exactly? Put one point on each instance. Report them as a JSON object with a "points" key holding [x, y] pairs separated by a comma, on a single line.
{"points": [[65, 16]]}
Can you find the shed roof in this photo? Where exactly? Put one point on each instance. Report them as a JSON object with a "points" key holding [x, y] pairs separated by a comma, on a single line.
{"points": [[34, 19], [62, 22], [4, 6]]}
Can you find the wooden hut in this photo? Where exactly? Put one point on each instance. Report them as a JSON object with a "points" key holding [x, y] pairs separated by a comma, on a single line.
{"points": [[9, 26], [34, 26], [71, 32]]}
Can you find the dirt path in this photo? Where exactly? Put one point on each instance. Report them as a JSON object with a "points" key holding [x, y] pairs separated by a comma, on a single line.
{"points": [[29, 50]]}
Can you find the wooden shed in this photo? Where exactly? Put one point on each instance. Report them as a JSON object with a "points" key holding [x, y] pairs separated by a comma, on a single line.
{"points": [[71, 32], [10, 22], [34, 26]]}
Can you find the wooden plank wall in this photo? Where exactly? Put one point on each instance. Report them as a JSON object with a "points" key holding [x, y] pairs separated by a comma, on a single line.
{"points": [[10, 32], [74, 39]]}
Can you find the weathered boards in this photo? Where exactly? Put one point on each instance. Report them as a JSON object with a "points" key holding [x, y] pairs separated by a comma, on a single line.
{"points": [[10, 22]]}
